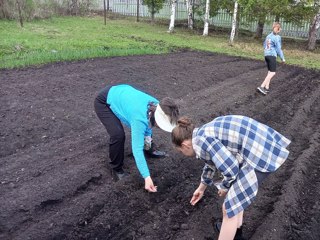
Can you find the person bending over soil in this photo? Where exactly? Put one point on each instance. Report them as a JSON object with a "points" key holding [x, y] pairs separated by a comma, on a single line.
{"points": [[272, 49], [243, 150], [139, 111]]}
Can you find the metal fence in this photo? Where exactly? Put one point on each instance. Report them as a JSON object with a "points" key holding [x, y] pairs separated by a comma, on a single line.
{"points": [[222, 19]]}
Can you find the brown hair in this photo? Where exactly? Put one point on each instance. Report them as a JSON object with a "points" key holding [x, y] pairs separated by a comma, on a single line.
{"points": [[276, 25], [170, 108], [183, 131]]}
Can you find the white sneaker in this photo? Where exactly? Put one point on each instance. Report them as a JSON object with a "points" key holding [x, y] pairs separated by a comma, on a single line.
{"points": [[261, 89]]}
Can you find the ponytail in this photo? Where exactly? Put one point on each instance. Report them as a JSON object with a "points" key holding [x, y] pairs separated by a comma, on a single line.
{"points": [[183, 131]]}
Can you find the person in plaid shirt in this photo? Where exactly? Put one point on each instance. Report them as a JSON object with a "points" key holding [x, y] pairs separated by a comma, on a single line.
{"points": [[243, 150]]}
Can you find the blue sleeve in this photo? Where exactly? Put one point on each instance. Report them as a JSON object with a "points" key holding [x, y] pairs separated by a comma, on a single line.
{"points": [[278, 47], [148, 132], [137, 141], [224, 161], [207, 175]]}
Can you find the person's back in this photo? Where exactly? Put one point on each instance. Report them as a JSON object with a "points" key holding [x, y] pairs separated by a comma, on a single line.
{"points": [[272, 46], [248, 137], [129, 104], [117, 104]]}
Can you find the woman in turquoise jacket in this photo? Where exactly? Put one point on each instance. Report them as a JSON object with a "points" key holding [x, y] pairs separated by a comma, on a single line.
{"points": [[139, 111]]}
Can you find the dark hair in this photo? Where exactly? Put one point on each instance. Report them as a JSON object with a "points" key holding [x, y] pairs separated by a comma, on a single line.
{"points": [[170, 108], [183, 131]]}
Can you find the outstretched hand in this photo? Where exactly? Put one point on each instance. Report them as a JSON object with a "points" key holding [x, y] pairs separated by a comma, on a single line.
{"points": [[148, 185], [222, 193], [198, 194]]}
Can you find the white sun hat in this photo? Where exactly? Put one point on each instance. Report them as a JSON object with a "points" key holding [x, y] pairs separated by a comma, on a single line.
{"points": [[163, 120]]}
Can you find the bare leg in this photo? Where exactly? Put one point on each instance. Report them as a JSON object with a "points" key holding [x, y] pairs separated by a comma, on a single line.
{"points": [[267, 80], [240, 219], [229, 225]]}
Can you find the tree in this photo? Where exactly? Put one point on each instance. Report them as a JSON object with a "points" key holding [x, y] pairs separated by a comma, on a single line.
{"points": [[20, 12], [206, 19], [154, 6], [172, 17], [314, 26], [258, 10], [138, 10], [234, 22], [189, 6]]}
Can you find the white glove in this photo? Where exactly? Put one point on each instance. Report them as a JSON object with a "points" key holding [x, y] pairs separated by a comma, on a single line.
{"points": [[147, 142]]}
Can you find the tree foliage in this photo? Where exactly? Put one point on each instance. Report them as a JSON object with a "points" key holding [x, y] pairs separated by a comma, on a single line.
{"points": [[154, 6], [31, 9]]}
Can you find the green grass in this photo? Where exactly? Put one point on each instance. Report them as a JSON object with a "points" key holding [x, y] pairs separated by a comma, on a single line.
{"points": [[73, 38]]}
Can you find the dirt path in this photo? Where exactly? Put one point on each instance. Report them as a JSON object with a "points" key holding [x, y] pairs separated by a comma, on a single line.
{"points": [[54, 183]]}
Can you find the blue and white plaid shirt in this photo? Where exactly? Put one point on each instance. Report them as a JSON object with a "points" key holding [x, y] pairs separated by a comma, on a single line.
{"points": [[238, 146]]}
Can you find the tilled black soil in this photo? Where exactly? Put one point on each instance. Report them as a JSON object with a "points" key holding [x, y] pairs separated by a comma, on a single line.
{"points": [[54, 180]]}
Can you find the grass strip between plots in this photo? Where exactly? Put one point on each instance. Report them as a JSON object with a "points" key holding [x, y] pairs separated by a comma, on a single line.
{"points": [[75, 38]]}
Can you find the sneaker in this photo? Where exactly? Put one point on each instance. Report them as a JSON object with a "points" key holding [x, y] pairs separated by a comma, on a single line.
{"points": [[267, 90], [262, 90], [217, 226], [155, 153], [119, 174]]}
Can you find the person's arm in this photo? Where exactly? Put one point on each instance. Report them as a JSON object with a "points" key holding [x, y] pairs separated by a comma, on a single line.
{"points": [[224, 161], [278, 48], [206, 180], [137, 142], [198, 194], [207, 175]]}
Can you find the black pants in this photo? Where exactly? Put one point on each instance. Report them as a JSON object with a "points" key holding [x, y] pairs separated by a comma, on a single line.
{"points": [[271, 62], [114, 128]]}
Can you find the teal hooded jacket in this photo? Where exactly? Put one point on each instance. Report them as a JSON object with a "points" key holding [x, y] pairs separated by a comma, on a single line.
{"points": [[131, 106]]}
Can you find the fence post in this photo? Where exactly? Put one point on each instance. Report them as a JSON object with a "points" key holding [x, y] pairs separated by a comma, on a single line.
{"points": [[104, 12], [138, 10]]}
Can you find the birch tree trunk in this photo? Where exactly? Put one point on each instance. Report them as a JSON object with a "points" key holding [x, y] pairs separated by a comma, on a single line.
{"points": [[234, 22], [313, 29], [206, 19], [238, 21], [173, 13], [189, 11]]}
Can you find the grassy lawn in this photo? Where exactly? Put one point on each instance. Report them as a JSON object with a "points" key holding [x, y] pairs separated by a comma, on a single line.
{"points": [[73, 38]]}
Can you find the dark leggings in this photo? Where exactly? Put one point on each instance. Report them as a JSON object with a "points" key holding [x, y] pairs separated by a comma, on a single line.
{"points": [[271, 63], [114, 128]]}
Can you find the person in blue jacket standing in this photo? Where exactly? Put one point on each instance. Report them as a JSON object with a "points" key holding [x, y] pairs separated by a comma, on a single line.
{"points": [[272, 49], [139, 111]]}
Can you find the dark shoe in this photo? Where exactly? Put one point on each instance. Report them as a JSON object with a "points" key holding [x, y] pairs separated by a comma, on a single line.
{"points": [[119, 174], [261, 90], [155, 153], [238, 235], [266, 90], [217, 226]]}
